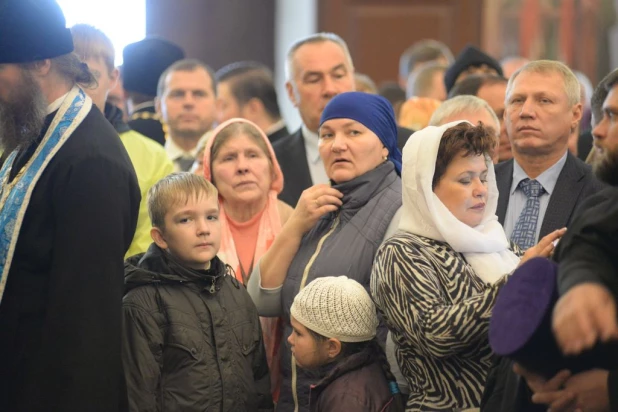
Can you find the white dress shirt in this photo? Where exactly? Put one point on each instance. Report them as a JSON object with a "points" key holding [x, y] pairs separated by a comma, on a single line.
{"points": [[517, 200], [178, 155], [275, 127], [316, 166]]}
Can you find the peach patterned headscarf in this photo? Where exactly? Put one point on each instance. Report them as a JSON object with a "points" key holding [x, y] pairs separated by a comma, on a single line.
{"points": [[270, 223], [269, 227]]}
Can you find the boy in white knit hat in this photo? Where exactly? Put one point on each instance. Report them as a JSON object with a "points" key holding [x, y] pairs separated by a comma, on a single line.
{"points": [[334, 325]]}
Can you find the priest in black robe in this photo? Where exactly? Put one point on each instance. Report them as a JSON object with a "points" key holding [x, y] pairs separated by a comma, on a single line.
{"points": [[68, 208]]}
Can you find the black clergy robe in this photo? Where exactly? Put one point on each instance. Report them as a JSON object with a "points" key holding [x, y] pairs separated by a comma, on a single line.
{"points": [[146, 122], [60, 317]]}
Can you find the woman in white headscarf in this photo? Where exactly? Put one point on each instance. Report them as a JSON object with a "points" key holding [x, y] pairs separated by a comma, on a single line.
{"points": [[436, 281]]}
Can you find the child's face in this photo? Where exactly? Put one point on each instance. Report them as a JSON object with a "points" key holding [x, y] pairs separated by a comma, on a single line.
{"points": [[192, 231], [308, 352]]}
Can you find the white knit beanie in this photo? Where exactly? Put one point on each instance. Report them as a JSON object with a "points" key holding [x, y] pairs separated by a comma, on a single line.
{"points": [[336, 307]]}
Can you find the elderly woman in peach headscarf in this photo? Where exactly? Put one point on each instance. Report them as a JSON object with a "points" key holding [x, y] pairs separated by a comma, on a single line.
{"points": [[240, 162]]}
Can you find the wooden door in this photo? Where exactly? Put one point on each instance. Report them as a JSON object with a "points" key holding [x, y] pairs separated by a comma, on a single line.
{"points": [[378, 31]]}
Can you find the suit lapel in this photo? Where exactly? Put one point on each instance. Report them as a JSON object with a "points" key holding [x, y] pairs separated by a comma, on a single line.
{"points": [[504, 180], [564, 197], [292, 158], [300, 162], [278, 135]]}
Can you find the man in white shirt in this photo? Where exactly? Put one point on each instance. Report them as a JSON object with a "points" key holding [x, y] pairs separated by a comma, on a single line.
{"points": [[318, 68], [186, 103]]}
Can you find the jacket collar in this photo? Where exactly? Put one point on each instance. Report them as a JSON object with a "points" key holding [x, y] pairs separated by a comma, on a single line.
{"points": [[114, 116], [352, 362], [158, 267], [357, 192]]}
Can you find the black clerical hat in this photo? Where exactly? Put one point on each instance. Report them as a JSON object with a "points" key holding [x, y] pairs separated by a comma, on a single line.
{"points": [[145, 61], [32, 30], [469, 57], [521, 324]]}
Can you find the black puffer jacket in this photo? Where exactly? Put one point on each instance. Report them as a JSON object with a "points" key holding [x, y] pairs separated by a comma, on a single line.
{"points": [[192, 339]]}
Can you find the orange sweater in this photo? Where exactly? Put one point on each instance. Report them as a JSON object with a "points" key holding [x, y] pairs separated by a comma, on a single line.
{"points": [[245, 236]]}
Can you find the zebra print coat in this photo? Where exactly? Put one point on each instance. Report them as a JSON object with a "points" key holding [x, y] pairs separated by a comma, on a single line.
{"points": [[438, 311]]}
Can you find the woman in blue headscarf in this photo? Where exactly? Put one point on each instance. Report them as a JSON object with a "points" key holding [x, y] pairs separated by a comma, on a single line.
{"points": [[335, 229]]}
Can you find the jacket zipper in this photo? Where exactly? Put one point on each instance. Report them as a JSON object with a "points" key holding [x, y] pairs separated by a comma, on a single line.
{"points": [[317, 251], [303, 281]]}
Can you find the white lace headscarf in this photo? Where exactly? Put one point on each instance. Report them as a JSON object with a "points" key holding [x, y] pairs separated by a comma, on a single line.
{"points": [[485, 247]]}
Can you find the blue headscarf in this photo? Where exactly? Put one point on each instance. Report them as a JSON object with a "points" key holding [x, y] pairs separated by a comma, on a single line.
{"points": [[374, 112]]}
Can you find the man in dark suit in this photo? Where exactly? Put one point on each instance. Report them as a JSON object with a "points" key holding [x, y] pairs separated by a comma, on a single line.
{"points": [[185, 101], [543, 184], [510, 392], [246, 89], [318, 67]]}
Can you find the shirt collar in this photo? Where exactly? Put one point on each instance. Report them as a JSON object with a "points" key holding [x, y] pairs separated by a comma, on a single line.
{"points": [[55, 105], [175, 152], [275, 127], [547, 179], [311, 144], [144, 105]]}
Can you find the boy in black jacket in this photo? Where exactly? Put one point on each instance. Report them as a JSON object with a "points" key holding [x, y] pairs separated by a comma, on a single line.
{"points": [[192, 335]]}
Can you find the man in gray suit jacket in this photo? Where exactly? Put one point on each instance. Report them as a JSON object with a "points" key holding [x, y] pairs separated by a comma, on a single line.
{"points": [[543, 184]]}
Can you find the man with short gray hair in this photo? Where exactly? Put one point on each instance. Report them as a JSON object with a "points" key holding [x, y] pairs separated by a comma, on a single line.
{"points": [[318, 68], [471, 109], [543, 184], [492, 89]]}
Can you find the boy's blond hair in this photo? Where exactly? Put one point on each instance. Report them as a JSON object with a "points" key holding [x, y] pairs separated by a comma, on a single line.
{"points": [[174, 189], [92, 43]]}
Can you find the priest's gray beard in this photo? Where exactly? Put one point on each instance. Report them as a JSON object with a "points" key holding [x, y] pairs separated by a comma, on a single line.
{"points": [[22, 116]]}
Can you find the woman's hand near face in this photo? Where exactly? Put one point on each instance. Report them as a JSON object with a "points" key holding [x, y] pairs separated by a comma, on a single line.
{"points": [[545, 247], [314, 203]]}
